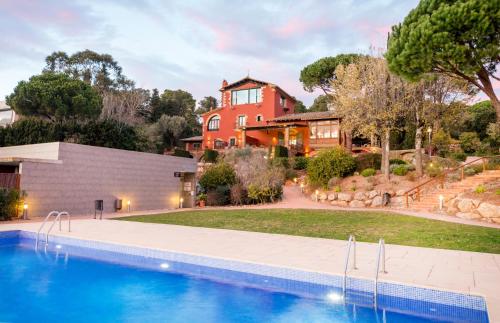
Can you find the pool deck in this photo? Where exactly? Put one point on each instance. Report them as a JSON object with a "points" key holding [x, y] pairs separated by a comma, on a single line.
{"points": [[459, 271]]}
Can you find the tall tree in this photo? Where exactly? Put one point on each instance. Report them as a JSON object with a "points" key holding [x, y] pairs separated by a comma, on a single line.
{"points": [[167, 130], [299, 107], [206, 104], [321, 103], [99, 70], [457, 38], [125, 106], [319, 74], [55, 96]]}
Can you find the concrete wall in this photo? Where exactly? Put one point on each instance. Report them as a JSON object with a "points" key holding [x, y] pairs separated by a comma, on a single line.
{"points": [[39, 151], [89, 173]]}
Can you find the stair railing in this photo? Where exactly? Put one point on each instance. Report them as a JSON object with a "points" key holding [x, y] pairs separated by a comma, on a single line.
{"points": [[441, 178]]}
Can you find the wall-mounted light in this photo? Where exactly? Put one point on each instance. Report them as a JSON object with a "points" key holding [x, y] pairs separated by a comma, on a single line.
{"points": [[25, 211]]}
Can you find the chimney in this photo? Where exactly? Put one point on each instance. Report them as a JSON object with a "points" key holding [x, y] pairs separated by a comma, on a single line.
{"points": [[224, 83]]}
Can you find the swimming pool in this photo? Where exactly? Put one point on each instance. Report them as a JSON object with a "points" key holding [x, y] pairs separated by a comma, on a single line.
{"points": [[88, 281]]}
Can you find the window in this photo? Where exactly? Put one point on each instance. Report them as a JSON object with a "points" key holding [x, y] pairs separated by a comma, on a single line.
{"points": [[323, 129], [246, 96], [213, 123], [241, 121], [219, 144], [232, 142], [196, 145], [259, 118], [283, 101]]}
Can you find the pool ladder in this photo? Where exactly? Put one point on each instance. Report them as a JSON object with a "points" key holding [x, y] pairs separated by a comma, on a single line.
{"points": [[351, 245], [57, 217]]}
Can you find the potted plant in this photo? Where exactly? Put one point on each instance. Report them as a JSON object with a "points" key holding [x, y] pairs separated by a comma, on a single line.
{"points": [[202, 199]]}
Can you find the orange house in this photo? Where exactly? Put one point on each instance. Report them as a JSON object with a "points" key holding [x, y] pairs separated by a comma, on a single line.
{"points": [[261, 114]]}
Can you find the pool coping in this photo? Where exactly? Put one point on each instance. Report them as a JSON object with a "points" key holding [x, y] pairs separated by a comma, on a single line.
{"points": [[106, 233]]}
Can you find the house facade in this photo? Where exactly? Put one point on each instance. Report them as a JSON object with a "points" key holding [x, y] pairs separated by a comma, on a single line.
{"points": [[261, 114]]}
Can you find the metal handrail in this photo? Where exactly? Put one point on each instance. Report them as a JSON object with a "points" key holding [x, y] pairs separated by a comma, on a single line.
{"points": [[442, 176], [58, 217], [351, 241], [380, 254]]}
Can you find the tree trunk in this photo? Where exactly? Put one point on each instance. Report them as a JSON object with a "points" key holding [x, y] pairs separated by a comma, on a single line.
{"points": [[348, 140], [373, 140], [418, 151], [385, 154], [489, 91]]}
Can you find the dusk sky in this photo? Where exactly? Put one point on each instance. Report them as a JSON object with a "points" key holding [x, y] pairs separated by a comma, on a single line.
{"points": [[193, 45]]}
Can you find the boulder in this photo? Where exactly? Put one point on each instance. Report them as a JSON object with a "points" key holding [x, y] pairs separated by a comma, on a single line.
{"points": [[339, 203], [357, 203], [368, 202], [377, 201], [397, 201], [344, 197], [467, 215], [359, 196], [400, 192], [332, 196], [322, 196], [452, 210], [476, 203], [496, 220], [391, 193], [489, 210], [465, 205], [372, 194]]}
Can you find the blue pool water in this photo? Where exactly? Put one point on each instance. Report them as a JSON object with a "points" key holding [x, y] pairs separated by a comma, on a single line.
{"points": [[57, 286]]}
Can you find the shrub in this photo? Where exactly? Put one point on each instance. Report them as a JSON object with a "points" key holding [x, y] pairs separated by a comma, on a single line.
{"points": [[400, 170], [458, 156], [202, 197], [265, 194], [218, 196], [337, 189], [238, 194], [368, 172], [469, 171], [442, 140], [290, 174], [330, 163], [280, 151], [220, 174], [434, 169], [469, 141], [397, 161], [480, 189], [280, 161], [9, 202], [182, 153], [210, 156], [368, 160], [300, 163]]}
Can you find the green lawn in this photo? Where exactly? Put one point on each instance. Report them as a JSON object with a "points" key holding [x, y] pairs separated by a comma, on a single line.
{"points": [[366, 226]]}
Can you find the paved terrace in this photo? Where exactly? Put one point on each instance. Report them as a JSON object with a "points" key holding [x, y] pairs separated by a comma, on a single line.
{"points": [[460, 271]]}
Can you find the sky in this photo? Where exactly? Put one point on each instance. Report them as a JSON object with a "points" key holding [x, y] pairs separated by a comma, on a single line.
{"points": [[194, 45]]}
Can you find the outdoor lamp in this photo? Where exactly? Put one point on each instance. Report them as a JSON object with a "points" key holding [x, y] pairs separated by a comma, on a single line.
{"points": [[295, 180], [181, 201], [25, 211], [317, 192], [128, 205], [429, 131], [441, 200], [302, 187]]}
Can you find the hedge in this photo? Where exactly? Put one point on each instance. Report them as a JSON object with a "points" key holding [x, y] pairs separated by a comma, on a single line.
{"points": [[9, 202], [220, 174]]}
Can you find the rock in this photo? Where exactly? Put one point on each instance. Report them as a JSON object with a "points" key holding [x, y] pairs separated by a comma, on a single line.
{"points": [[452, 210], [357, 203], [489, 210], [377, 201], [391, 193], [400, 192], [332, 196], [368, 202], [334, 181], [372, 194], [496, 220], [322, 196], [397, 201], [314, 197], [360, 196], [339, 203], [476, 203], [467, 215], [452, 203], [344, 197], [465, 205]]}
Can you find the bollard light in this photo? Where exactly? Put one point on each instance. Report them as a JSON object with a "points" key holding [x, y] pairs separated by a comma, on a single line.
{"points": [[316, 192], [441, 201], [295, 180], [25, 211], [128, 205], [302, 187], [181, 201]]}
